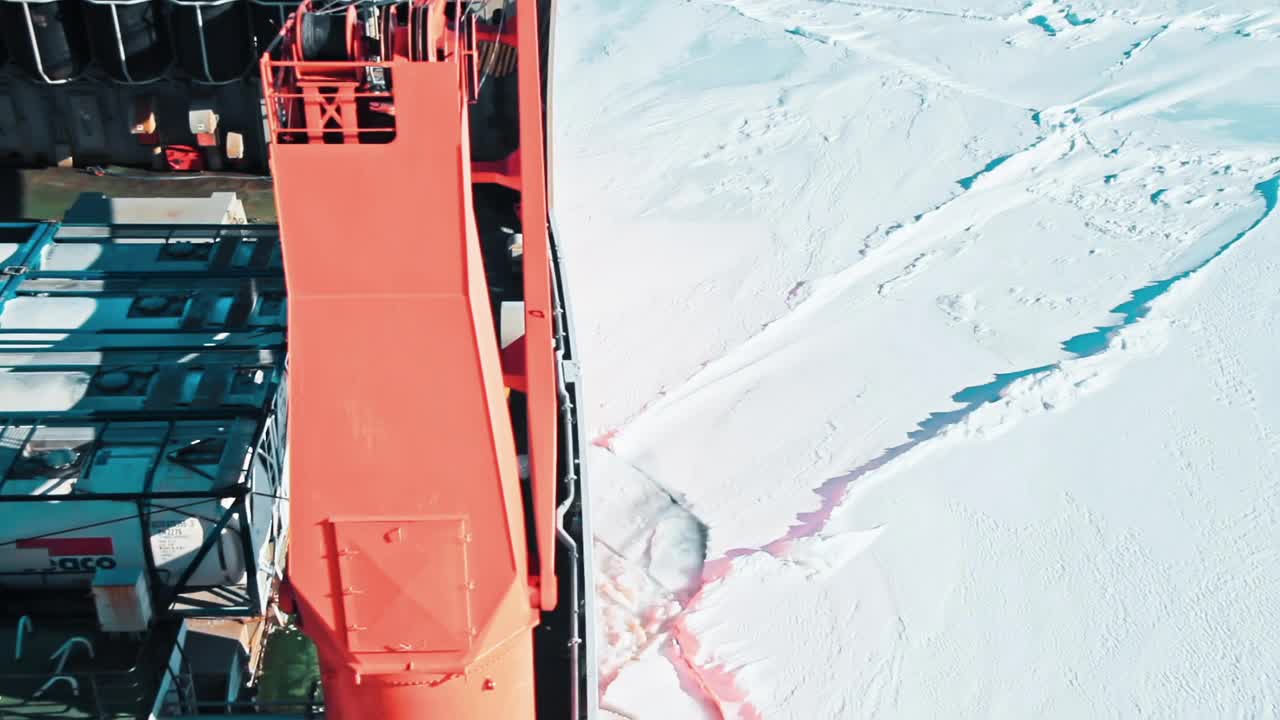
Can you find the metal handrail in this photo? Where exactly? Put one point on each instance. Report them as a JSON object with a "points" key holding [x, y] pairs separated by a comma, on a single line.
{"points": [[124, 61], [35, 44], [24, 623], [281, 76], [204, 47]]}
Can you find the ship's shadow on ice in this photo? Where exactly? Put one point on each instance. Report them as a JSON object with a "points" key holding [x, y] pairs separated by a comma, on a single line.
{"points": [[833, 490]]}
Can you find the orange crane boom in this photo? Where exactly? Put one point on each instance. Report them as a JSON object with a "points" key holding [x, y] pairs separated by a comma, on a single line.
{"points": [[423, 561]]}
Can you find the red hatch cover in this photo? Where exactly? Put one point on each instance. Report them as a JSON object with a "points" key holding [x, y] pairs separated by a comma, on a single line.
{"points": [[405, 584]]}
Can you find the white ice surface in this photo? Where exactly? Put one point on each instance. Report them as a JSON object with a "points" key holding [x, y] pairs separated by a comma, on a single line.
{"points": [[806, 239]]}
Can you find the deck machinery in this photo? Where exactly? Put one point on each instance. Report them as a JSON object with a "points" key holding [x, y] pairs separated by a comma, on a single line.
{"points": [[449, 581], [439, 551]]}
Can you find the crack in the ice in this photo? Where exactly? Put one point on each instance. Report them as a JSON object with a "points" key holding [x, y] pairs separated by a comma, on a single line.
{"points": [[911, 270], [834, 490], [682, 594], [691, 681], [974, 397], [1042, 22], [675, 500], [712, 687], [1076, 21], [718, 685], [1069, 122], [911, 69], [967, 182], [872, 256], [906, 67], [959, 14], [1139, 303], [1137, 48]]}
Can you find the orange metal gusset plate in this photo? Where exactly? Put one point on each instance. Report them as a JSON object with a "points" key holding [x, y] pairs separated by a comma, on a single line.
{"points": [[401, 442]]}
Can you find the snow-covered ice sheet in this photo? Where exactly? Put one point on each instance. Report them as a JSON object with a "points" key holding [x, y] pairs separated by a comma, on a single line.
{"points": [[1100, 541], [927, 349]]}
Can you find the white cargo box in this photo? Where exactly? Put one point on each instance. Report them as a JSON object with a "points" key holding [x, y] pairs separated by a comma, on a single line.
{"points": [[122, 599], [220, 208]]}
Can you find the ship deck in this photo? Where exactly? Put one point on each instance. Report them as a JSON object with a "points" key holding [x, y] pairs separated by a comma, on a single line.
{"points": [[160, 343], [121, 679]]}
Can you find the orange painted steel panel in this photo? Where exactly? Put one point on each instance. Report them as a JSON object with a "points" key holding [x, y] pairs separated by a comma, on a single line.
{"points": [[497, 689], [505, 172], [540, 359], [407, 554], [398, 415]]}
